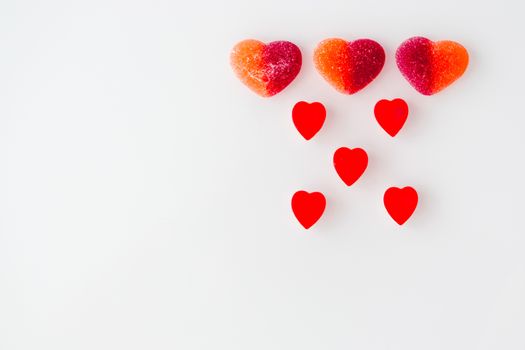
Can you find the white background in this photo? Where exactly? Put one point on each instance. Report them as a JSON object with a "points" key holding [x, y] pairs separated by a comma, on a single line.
{"points": [[145, 192]]}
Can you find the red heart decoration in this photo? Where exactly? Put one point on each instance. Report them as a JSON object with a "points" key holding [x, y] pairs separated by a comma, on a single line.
{"points": [[308, 118], [308, 207], [350, 164], [400, 203], [391, 115]]}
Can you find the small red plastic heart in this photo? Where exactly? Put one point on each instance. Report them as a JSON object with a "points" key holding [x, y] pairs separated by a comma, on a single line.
{"points": [[308, 118], [308, 207], [350, 164], [391, 115], [400, 203]]}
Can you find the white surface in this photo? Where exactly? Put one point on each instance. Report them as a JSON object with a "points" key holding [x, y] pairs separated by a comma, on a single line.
{"points": [[145, 193]]}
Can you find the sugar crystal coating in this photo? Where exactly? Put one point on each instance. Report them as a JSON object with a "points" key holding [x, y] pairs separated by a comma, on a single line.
{"points": [[266, 68], [431, 66], [349, 66]]}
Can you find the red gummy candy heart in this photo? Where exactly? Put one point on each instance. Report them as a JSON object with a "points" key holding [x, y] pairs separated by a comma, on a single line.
{"points": [[308, 207], [266, 68], [308, 118], [350, 164], [431, 66], [349, 66], [391, 115], [400, 203]]}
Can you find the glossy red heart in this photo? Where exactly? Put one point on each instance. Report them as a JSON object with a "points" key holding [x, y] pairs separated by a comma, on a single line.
{"points": [[400, 203], [350, 164], [391, 115], [308, 118], [308, 207]]}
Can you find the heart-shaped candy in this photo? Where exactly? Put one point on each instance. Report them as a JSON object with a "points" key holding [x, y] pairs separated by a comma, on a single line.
{"points": [[308, 118], [400, 203], [350, 164], [391, 115], [349, 66], [431, 66], [308, 207], [266, 68]]}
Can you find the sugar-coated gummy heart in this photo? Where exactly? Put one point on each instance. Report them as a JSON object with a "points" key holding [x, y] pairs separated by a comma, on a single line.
{"points": [[266, 68], [349, 66], [391, 115], [308, 118], [308, 207], [400, 203], [431, 66], [350, 164]]}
